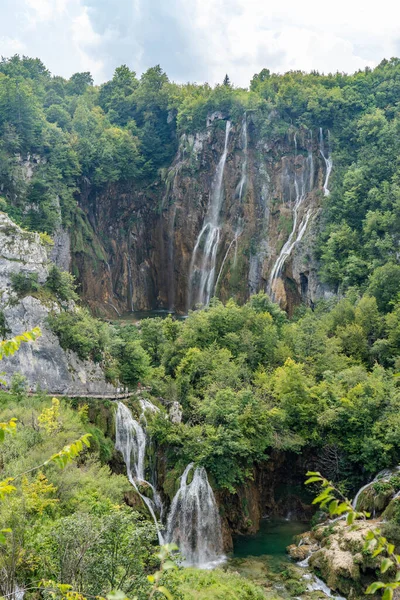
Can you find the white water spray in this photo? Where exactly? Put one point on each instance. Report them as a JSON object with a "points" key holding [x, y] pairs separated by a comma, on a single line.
{"points": [[194, 523], [208, 238], [131, 442], [327, 159]]}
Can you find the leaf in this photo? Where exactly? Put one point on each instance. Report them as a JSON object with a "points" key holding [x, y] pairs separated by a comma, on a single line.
{"points": [[374, 587], [116, 595], [390, 548], [166, 593], [350, 518], [312, 479], [388, 594], [386, 564]]}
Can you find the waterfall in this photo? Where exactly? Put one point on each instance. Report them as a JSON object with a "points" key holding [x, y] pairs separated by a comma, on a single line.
{"points": [[302, 185], [384, 475], [130, 284], [238, 233], [194, 523], [208, 238], [243, 137], [131, 441], [327, 160], [171, 257]]}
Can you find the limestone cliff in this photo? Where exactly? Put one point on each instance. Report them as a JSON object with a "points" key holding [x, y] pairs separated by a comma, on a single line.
{"points": [[236, 228], [43, 362]]}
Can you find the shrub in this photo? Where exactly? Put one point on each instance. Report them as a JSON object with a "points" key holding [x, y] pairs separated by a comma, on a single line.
{"points": [[25, 283], [62, 284], [80, 332]]}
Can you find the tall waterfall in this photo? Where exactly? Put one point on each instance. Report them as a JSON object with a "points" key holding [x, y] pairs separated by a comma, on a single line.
{"points": [[194, 523], [202, 272], [302, 185], [327, 160], [170, 254], [239, 195], [243, 138], [131, 441]]}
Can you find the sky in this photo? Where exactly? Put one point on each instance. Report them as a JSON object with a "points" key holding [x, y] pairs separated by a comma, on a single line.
{"points": [[201, 40]]}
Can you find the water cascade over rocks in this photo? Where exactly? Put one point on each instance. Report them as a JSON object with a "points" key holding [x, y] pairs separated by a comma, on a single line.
{"points": [[131, 441], [327, 159], [194, 523], [204, 257], [303, 183], [382, 476]]}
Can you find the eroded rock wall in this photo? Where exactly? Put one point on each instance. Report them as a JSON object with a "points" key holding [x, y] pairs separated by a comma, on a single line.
{"points": [[272, 191]]}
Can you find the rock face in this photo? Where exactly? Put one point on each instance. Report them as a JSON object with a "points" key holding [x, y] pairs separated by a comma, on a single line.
{"points": [[43, 362], [144, 235], [336, 553]]}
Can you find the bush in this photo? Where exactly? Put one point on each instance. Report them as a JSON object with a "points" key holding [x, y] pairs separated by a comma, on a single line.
{"points": [[196, 584], [62, 284], [25, 283], [80, 332]]}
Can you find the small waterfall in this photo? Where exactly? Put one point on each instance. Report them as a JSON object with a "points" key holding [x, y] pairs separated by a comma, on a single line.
{"points": [[130, 284], [131, 441], [317, 585], [208, 238], [194, 523], [302, 184], [327, 160], [238, 233], [384, 475]]}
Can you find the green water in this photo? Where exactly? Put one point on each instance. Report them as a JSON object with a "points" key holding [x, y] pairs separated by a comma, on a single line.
{"points": [[271, 540]]}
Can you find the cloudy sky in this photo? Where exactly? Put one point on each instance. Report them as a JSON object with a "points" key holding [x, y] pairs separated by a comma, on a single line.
{"points": [[201, 40]]}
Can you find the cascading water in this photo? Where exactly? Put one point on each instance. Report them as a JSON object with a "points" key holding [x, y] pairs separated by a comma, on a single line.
{"points": [[194, 523], [238, 233], [131, 441], [171, 253], [327, 160], [303, 185], [243, 137], [201, 289], [383, 476], [239, 194]]}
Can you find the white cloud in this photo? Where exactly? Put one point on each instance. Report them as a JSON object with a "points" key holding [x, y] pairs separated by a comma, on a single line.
{"points": [[10, 46], [201, 39]]}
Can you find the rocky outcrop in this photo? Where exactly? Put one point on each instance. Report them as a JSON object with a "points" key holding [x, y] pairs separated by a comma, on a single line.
{"points": [[43, 362], [144, 234], [336, 552]]}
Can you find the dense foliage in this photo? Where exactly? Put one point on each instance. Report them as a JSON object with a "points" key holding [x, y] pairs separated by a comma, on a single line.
{"points": [[249, 380], [69, 526]]}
